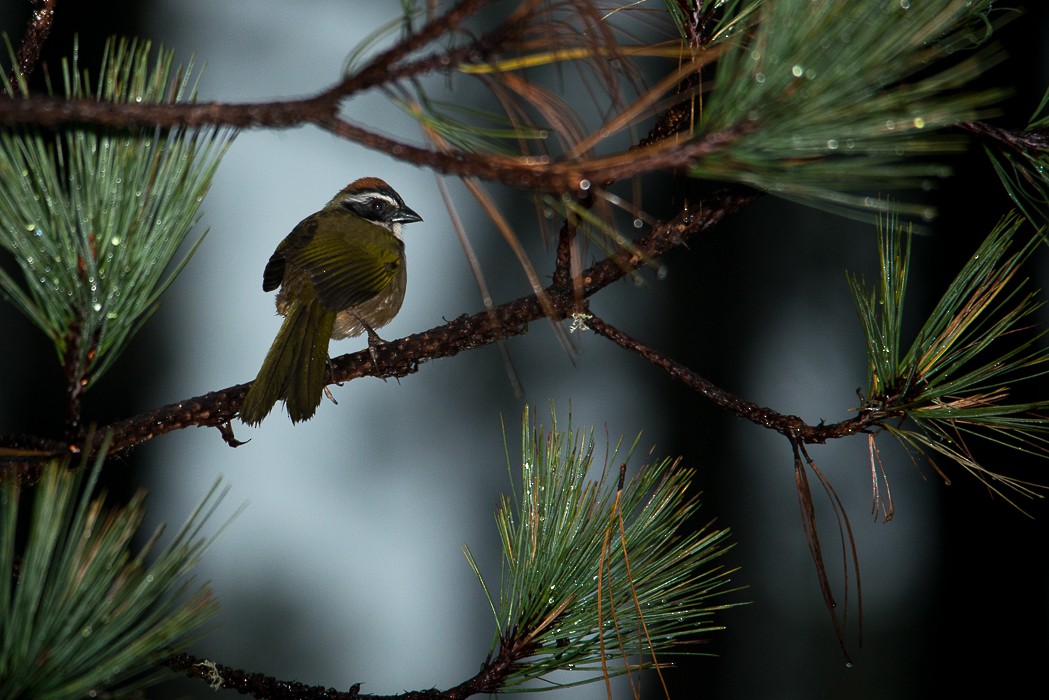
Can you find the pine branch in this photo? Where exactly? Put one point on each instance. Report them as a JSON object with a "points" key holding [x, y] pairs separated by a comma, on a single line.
{"points": [[322, 110], [850, 147], [399, 358]]}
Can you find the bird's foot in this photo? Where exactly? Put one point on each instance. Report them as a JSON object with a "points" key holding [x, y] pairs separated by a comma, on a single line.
{"points": [[374, 341], [331, 379]]}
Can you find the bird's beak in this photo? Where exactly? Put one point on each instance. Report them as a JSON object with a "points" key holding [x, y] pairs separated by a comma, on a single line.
{"points": [[405, 215]]}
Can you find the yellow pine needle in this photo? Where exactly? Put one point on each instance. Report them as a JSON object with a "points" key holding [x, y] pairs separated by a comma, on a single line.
{"points": [[637, 604], [617, 522], [977, 304], [550, 618], [635, 111], [663, 50]]}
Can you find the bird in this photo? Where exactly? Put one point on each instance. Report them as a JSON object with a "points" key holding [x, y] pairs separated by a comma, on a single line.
{"points": [[341, 272]]}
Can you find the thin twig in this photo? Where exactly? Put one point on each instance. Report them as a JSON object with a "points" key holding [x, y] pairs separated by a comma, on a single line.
{"points": [[791, 426], [487, 681], [37, 30], [1024, 142]]}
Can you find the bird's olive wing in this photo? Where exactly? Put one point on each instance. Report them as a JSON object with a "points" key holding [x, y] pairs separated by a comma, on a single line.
{"points": [[346, 273]]}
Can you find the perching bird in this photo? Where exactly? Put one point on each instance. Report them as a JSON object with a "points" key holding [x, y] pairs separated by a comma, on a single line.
{"points": [[341, 272]]}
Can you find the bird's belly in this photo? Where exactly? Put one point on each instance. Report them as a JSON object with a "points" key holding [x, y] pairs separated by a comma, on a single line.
{"points": [[376, 312]]}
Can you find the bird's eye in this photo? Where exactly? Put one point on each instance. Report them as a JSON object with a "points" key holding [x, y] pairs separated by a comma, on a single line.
{"points": [[376, 205]]}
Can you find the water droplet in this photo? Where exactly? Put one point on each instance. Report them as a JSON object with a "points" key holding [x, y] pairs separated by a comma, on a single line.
{"points": [[759, 77], [919, 123], [832, 144], [584, 185], [797, 71], [96, 306]]}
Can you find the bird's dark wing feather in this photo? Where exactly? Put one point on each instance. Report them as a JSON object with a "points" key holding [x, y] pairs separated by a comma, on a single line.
{"points": [[300, 236]]}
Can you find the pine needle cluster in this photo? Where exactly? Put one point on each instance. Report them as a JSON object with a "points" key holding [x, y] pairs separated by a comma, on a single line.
{"points": [[600, 577], [96, 218], [974, 350], [830, 102], [81, 614]]}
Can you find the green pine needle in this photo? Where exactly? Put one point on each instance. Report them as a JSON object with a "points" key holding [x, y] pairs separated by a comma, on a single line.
{"points": [[829, 103], [970, 355], [81, 615], [469, 128], [724, 18], [599, 580], [96, 218]]}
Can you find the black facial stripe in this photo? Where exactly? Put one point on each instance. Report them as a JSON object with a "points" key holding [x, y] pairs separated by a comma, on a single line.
{"points": [[373, 206]]}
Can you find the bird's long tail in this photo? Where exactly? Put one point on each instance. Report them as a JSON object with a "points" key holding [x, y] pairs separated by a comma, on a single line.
{"points": [[295, 366]]}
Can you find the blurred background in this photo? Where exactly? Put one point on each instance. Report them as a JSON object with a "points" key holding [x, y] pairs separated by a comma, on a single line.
{"points": [[346, 565]]}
